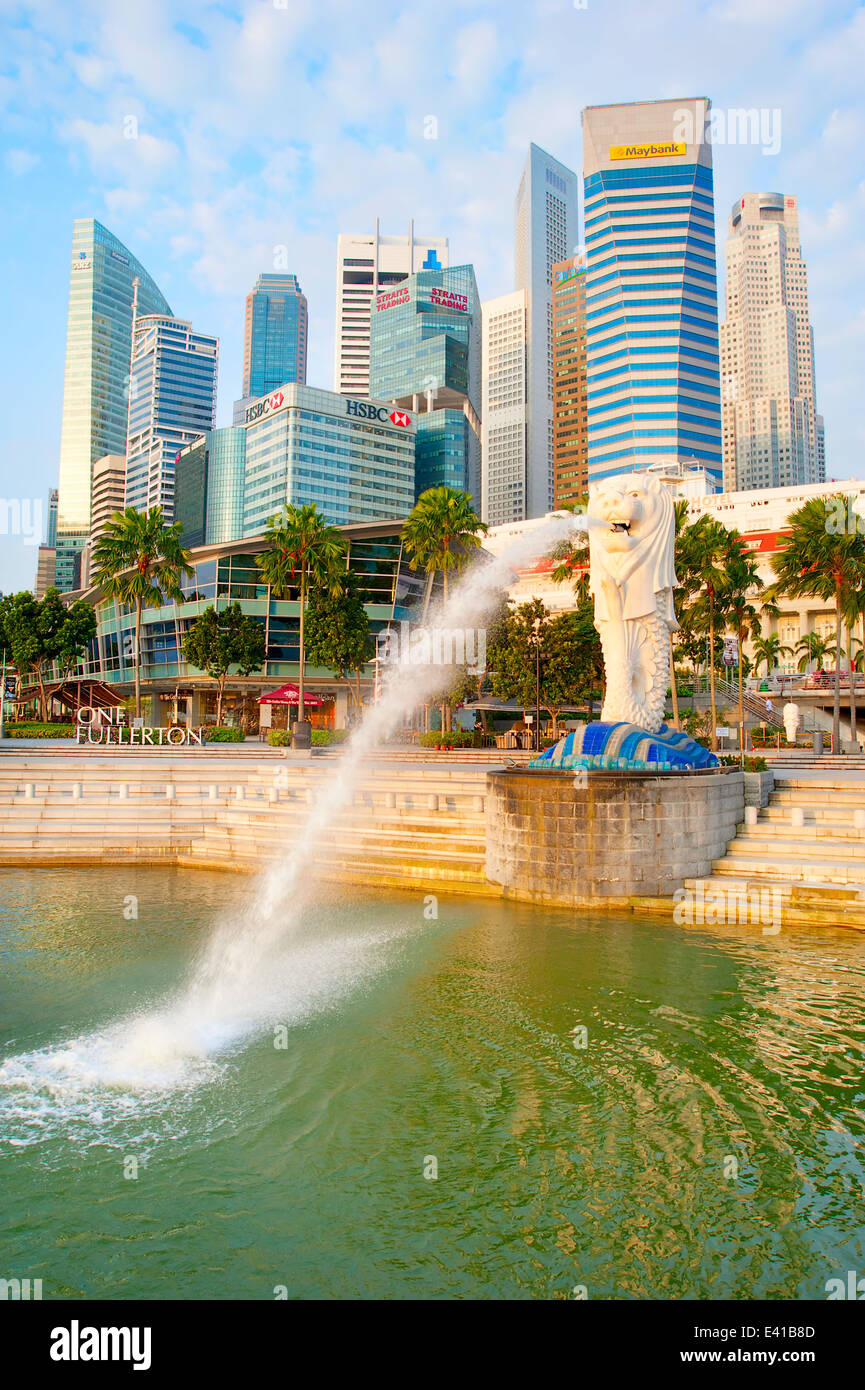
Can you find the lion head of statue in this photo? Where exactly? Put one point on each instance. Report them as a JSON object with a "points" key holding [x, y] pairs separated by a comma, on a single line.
{"points": [[631, 540]]}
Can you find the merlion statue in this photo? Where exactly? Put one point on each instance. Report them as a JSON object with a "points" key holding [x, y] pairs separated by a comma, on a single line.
{"points": [[792, 719], [632, 577]]}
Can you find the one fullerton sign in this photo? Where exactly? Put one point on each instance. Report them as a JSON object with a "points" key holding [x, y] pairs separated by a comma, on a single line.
{"points": [[103, 726]]}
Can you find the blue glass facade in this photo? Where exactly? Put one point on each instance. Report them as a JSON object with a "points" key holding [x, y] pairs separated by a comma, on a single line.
{"points": [[96, 380], [275, 337], [209, 487], [390, 589], [355, 459], [653, 380], [425, 356], [172, 400]]}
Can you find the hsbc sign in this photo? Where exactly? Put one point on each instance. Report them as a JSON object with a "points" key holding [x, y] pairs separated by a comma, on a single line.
{"points": [[365, 410], [266, 406]]}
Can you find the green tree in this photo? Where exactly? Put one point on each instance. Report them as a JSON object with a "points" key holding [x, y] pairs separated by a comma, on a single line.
{"points": [[217, 641], [706, 549], [821, 560], [303, 550], [769, 649], [138, 561], [812, 647], [337, 631], [441, 532], [742, 582], [40, 633], [571, 664]]}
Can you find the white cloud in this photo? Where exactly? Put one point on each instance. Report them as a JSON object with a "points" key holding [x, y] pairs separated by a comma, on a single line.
{"points": [[20, 161], [121, 146]]}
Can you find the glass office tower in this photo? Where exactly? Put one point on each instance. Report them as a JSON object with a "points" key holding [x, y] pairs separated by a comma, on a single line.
{"points": [[354, 459], [425, 356], [208, 487], [545, 232], [95, 386], [172, 400], [275, 335], [653, 381]]}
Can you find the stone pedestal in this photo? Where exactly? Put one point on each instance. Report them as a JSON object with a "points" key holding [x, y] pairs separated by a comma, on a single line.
{"points": [[608, 837]]}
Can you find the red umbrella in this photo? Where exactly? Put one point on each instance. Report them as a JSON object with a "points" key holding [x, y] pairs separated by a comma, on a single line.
{"points": [[289, 695]]}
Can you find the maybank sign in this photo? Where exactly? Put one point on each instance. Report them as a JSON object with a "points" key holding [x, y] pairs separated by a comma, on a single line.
{"points": [[665, 150]]}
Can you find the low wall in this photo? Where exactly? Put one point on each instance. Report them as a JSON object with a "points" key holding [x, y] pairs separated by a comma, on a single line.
{"points": [[607, 837]]}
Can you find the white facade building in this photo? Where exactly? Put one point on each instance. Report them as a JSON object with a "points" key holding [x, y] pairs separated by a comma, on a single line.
{"points": [[366, 265], [772, 433], [504, 408], [545, 231]]}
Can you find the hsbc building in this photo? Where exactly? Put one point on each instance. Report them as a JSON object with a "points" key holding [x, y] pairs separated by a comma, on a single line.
{"points": [[353, 457]]}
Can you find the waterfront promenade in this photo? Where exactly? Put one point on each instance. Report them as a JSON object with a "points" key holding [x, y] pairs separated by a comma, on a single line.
{"points": [[415, 820]]}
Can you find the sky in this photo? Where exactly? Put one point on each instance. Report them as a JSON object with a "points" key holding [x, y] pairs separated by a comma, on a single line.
{"points": [[208, 137]]}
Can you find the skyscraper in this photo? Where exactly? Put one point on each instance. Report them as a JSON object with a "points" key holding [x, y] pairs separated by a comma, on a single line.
{"points": [[651, 287], [772, 432], [570, 438], [545, 216], [172, 400], [367, 266], [353, 459], [95, 387], [209, 481], [504, 408], [275, 335], [107, 492], [425, 356]]}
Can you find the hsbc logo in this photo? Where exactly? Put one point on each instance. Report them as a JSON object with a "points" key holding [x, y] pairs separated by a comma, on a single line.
{"points": [[264, 407], [367, 411]]}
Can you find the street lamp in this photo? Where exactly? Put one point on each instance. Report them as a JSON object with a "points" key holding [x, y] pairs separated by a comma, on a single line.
{"points": [[536, 625]]}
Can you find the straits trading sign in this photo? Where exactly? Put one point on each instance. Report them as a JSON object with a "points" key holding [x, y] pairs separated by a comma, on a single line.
{"points": [[674, 149], [439, 295], [391, 298], [102, 726]]}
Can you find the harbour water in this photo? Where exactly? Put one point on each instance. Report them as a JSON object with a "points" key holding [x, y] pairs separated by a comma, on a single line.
{"points": [[446, 1098]]}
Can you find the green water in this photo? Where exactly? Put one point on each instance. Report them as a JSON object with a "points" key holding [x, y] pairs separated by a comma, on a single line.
{"points": [[409, 1039]]}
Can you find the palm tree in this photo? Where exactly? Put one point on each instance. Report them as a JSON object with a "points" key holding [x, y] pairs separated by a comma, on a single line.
{"points": [[820, 561], [303, 548], [706, 550], [769, 649], [743, 616], [441, 531], [140, 560], [812, 647]]}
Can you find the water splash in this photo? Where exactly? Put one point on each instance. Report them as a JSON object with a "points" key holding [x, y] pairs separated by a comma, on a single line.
{"points": [[264, 966]]}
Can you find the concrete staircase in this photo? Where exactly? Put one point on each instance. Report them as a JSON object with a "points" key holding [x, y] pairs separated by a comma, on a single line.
{"points": [[806, 849], [405, 825]]}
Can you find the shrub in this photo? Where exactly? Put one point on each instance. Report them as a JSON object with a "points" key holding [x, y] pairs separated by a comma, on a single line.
{"points": [[324, 738], [40, 730], [279, 738], [458, 738], [220, 733], [749, 765]]}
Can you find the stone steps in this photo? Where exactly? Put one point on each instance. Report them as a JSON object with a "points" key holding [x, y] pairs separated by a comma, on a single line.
{"points": [[790, 902]]}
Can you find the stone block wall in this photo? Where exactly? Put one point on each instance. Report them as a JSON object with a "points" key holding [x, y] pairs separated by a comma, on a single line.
{"points": [[607, 836]]}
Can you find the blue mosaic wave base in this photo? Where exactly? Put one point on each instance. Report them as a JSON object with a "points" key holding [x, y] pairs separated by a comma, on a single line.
{"points": [[625, 746]]}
